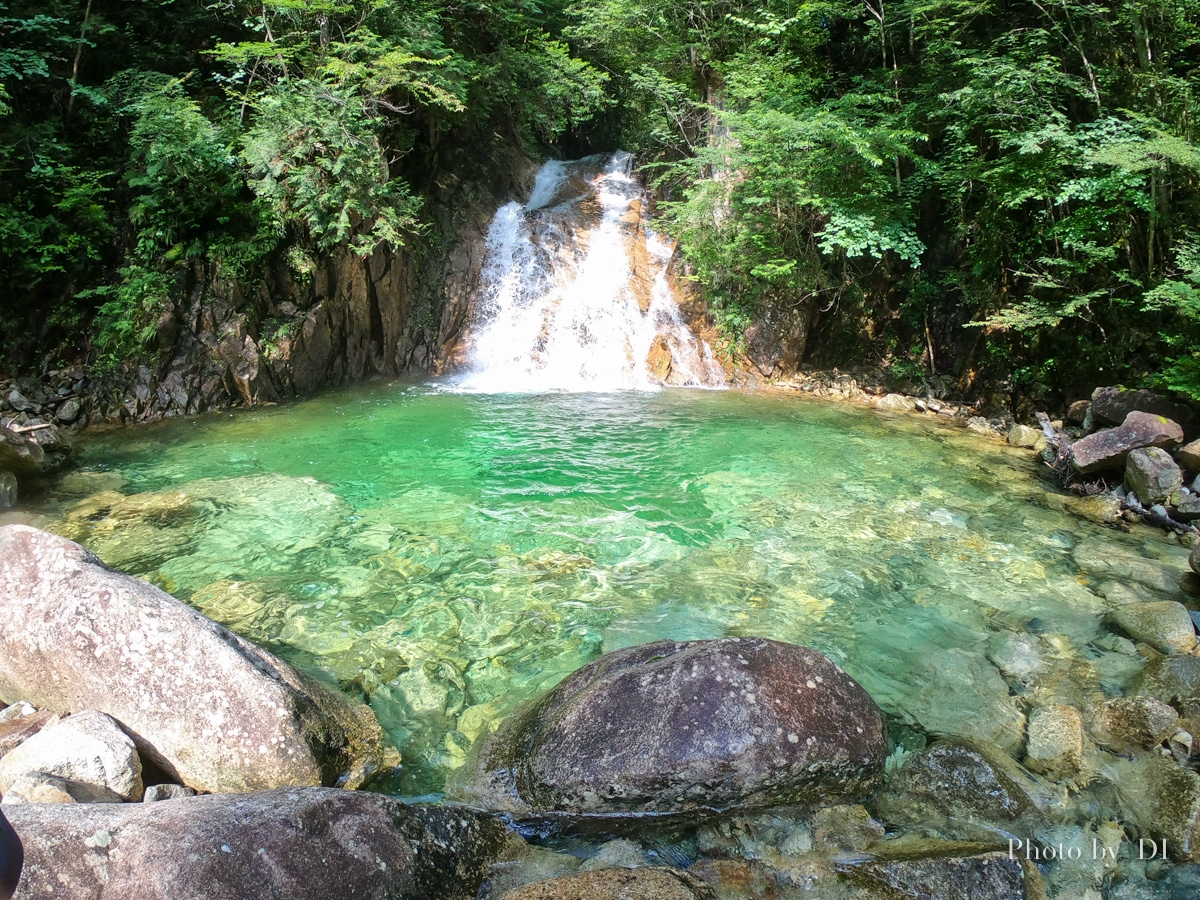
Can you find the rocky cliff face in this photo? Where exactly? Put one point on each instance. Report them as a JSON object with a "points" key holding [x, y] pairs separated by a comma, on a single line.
{"points": [[229, 343]]}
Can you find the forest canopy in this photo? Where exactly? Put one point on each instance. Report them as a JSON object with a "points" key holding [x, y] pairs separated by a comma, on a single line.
{"points": [[1006, 191]]}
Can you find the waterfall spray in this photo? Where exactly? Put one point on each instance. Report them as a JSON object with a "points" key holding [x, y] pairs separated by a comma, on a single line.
{"points": [[575, 293]]}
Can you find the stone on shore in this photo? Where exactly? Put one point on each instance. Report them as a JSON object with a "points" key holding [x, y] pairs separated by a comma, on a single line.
{"points": [[657, 883], [670, 727], [1109, 449], [38, 787], [88, 748], [207, 707], [1024, 436], [1189, 456], [896, 403], [157, 792], [1163, 624], [289, 844], [1152, 475], [19, 454]]}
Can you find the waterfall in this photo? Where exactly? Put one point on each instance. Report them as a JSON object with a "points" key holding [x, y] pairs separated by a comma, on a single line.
{"points": [[575, 292]]}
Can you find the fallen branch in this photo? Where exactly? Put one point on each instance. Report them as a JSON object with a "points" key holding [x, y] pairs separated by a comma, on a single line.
{"points": [[1131, 503], [25, 429]]}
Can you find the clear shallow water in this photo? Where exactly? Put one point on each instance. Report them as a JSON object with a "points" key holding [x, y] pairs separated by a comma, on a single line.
{"points": [[447, 556]]}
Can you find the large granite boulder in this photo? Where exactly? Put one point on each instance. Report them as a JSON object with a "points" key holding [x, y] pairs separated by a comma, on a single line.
{"points": [[1109, 449], [290, 844], [210, 709], [1152, 475], [677, 727]]}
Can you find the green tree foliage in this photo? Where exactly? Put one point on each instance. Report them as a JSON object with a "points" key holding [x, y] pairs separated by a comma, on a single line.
{"points": [[1030, 168], [138, 139], [986, 188]]}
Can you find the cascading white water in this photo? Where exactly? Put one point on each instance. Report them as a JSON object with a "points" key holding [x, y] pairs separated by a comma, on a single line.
{"points": [[575, 294]]}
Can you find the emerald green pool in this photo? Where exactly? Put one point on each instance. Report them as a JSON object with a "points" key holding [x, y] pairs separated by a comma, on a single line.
{"points": [[447, 556]]}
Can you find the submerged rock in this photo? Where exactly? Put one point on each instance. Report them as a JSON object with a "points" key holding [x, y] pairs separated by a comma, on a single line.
{"points": [[291, 844], [1108, 449], [88, 748], [207, 530], [1112, 561], [841, 829], [209, 708], [1017, 656], [8, 490], [1132, 722], [1163, 624], [942, 870], [1152, 475], [955, 780], [675, 727], [1055, 743], [657, 883], [1104, 509], [1171, 812], [1171, 678]]}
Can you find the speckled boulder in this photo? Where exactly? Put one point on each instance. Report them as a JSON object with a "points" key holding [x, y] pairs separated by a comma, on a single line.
{"points": [[210, 709], [1132, 722], [676, 727], [88, 748], [291, 844]]}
